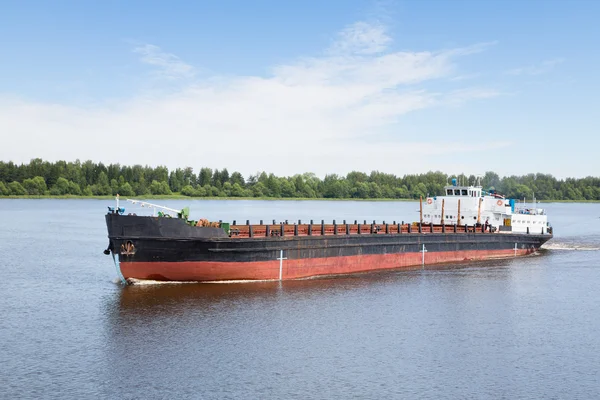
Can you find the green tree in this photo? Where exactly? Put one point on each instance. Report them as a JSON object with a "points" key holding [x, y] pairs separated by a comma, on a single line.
{"points": [[102, 187], [236, 177], [176, 180], [375, 191], [224, 176], [201, 192], [74, 189], [61, 187], [114, 186], [237, 190], [126, 190], [35, 186], [4, 191], [157, 187], [189, 178], [16, 189], [360, 190], [259, 190], [273, 185], [287, 188], [188, 190], [204, 177], [227, 188]]}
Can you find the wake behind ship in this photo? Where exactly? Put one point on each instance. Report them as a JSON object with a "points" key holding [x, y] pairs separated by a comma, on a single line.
{"points": [[466, 223]]}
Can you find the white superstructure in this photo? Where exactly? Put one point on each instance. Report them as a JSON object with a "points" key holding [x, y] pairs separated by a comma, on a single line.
{"points": [[471, 205]]}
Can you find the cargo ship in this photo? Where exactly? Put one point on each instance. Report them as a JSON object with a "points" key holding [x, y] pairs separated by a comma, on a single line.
{"points": [[464, 223]]}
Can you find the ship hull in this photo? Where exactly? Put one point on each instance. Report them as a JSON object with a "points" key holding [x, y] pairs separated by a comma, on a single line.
{"points": [[162, 249], [206, 271]]}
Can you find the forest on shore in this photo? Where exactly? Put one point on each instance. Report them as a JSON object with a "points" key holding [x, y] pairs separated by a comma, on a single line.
{"points": [[62, 178]]}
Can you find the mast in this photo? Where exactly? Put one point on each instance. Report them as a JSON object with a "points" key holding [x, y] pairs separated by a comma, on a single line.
{"points": [[443, 211], [479, 211], [458, 217], [421, 209]]}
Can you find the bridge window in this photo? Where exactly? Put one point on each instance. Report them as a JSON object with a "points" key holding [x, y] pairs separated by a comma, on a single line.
{"points": [[457, 192], [464, 192], [449, 192]]}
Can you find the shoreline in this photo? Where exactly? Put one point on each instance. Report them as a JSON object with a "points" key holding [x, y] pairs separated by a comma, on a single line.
{"points": [[182, 197]]}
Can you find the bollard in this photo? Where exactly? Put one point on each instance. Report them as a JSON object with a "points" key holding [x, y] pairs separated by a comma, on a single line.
{"points": [[250, 232], [268, 231], [295, 230], [358, 229]]}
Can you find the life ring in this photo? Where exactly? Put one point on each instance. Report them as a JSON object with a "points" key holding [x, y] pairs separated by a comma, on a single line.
{"points": [[499, 202], [429, 201]]}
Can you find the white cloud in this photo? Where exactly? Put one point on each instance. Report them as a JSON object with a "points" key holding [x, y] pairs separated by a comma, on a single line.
{"points": [[318, 114], [168, 65], [361, 38], [538, 69]]}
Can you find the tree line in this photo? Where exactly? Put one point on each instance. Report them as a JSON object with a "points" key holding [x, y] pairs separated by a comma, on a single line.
{"points": [[39, 177]]}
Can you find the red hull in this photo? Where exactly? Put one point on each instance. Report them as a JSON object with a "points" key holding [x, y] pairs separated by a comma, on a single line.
{"points": [[301, 268]]}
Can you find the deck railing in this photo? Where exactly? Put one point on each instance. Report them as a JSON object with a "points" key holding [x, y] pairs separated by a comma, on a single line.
{"points": [[323, 229]]}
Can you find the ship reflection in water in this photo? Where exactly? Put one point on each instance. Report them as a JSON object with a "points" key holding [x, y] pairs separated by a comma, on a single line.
{"points": [[155, 299]]}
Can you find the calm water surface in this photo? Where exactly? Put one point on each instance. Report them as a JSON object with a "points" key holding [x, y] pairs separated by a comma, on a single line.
{"points": [[522, 328]]}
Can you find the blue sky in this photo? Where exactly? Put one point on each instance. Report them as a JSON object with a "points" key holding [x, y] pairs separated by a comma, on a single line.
{"points": [[291, 87]]}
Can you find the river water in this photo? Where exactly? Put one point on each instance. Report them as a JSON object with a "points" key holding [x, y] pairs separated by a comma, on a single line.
{"points": [[524, 328]]}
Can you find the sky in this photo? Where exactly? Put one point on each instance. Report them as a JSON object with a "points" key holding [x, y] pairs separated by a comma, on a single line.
{"points": [[290, 87]]}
